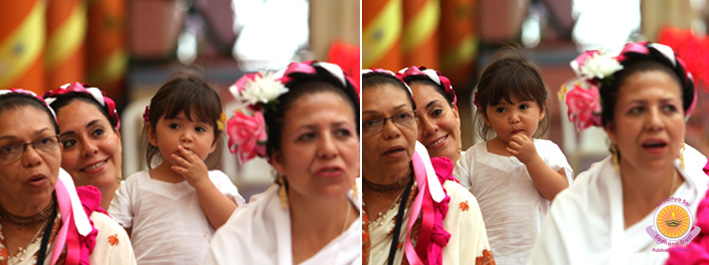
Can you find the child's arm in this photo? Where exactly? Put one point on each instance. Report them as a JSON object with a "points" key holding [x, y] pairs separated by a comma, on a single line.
{"points": [[547, 181], [216, 206]]}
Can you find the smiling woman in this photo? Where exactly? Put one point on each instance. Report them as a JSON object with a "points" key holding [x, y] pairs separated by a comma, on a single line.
{"points": [[42, 220], [88, 124]]}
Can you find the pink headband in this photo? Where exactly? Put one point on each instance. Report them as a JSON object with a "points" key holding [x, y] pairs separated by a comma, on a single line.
{"points": [[443, 82], [22, 91], [98, 95], [384, 71]]}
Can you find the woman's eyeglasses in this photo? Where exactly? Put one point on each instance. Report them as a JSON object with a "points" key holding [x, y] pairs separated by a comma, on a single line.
{"points": [[402, 119], [13, 151]]}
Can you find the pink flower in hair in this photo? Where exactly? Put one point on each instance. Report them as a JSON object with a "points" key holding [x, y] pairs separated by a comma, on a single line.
{"points": [[584, 106], [247, 135]]}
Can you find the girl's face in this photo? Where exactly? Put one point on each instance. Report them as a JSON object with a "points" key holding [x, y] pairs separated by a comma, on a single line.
{"points": [[27, 174], [389, 129], [510, 118], [194, 135], [648, 124], [439, 123], [319, 153], [92, 150]]}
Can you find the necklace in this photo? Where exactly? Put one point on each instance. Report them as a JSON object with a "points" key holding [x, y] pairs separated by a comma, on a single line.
{"points": [[31, 220], [397, 185]]}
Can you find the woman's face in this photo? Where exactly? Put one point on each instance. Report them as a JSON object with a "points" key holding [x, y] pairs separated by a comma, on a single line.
{"points": [[92, 150], [648, 125], [439, 123], [27, 177], [319, 153], [389, 147]]}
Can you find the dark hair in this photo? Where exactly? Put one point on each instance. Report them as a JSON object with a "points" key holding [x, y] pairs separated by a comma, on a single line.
{"points": [[301, 84], [17, 100], [510, 74], [609, 93], [63, 100], [372, 79], [421, 80], [187, 92]]}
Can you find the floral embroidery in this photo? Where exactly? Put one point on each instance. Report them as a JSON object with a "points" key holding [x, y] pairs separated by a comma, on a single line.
{"points": [[464, 206], [113, 239], [486, 259]]}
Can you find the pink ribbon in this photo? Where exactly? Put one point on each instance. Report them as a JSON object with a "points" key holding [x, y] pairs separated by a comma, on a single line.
{"points": [[97, 95]]}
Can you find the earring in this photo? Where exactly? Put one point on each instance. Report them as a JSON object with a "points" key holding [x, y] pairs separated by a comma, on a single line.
{"points": [[354, 192], [681, 156], [120, 176], [282, 191], [616, 156]]}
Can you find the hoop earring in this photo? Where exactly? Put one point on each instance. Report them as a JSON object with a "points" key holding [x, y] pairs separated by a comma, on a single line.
{"points": [[616, 156], [681, 156], [282, 191]]}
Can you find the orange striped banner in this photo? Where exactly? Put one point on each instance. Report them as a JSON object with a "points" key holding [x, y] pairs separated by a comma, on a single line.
{"points": [[420, 35], [22, 44], [64, 53], [381, 34], [107, 56], [459, 40]]}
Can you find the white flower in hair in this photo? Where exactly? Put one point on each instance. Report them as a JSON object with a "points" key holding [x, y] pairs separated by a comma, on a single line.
{"points": [[263, 88], [598, 65]]}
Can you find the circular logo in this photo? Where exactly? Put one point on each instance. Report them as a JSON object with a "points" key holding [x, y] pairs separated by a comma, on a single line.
{"points": [[672, 221]]}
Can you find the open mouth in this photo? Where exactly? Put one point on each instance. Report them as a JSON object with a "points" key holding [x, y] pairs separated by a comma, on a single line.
{"points": [[437, 142], [654, 144], [94, 166], [330, 171], [394, 150]]}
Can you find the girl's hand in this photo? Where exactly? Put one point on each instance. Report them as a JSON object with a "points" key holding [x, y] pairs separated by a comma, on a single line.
{"points": [[190, 166], [522, 147]]}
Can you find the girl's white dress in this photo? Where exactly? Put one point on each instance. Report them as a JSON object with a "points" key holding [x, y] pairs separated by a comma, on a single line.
{"points": [[168, 225], [511, 206]]}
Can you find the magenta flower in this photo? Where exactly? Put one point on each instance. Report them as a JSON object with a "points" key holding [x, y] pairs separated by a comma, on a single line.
{"points": [[584, 107], [247, 135]]}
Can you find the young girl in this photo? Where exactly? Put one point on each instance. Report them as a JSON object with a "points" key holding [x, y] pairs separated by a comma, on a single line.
{"points": [[513, 176], [172, 210]]}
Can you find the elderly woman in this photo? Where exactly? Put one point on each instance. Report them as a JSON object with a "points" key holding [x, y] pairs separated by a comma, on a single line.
{"points": [[439, 122], [42, 220], [617, 211], [414, 210], [88, 125], [311, 216]]}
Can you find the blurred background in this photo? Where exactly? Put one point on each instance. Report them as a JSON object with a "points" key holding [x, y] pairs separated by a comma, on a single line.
{"points": [[457, 37], [129, 48]]}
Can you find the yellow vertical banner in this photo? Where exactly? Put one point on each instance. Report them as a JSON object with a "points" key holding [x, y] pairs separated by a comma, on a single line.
{"points": [[22, 45], [420, 36], [381, 34], [64, 56], [459, 40], [107, 56]]}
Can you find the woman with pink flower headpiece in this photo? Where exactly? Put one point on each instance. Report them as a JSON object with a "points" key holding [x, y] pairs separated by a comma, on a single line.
{"points": [[44, 218], [632, 206], [305, 120]]}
